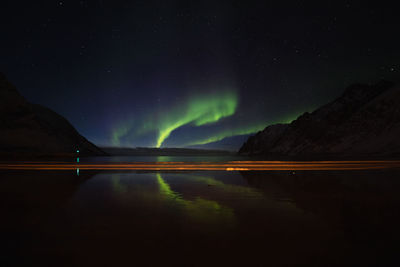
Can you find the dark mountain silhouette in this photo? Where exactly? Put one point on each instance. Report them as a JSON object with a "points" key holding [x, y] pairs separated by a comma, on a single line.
{"points": [[28, 129], [363, 121]]}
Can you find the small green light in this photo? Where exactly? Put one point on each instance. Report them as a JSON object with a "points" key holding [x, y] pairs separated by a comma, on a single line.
{"points": [[77, 151], [77, 160]]}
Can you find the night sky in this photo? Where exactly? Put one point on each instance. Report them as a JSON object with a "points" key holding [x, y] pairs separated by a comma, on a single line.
{"points": [[183, 73]]}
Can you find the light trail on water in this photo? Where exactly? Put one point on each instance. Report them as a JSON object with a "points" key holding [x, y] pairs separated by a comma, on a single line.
{"points": [[205, 166]]}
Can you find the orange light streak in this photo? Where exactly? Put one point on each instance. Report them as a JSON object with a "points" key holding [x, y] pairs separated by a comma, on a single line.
{"points": [[219, 166]]}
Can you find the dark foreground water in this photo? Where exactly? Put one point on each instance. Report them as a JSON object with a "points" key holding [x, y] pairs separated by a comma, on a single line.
{"points": [[312, 218]]}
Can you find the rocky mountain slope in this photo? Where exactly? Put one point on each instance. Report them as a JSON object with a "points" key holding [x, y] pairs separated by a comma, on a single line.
{"points": [[33, 130], [363, 121]]}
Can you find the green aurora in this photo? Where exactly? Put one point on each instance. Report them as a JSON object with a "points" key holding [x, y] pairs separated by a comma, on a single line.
{"points": [[248, 129], [199, 111], [195, 111], [228, 133]]}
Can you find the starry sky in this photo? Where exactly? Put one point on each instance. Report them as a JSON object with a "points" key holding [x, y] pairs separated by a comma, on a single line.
{"points": [[187, 73]]}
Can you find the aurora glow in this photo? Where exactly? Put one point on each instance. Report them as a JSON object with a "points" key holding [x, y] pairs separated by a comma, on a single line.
{"points": [[190, 73], [228, 133], [206, 115], [240, 130], [197, 110]]}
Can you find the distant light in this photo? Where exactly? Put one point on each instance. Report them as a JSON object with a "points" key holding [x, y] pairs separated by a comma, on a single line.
{"points": [[77, 160], [77, 151], [77, 171]]}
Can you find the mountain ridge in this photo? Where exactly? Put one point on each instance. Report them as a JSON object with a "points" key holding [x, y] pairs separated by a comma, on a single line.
{"points": [[31, 130], [364, 121]]}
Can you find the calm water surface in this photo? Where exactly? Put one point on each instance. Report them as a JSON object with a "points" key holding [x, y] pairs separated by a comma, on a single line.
{"points": [[216, 158], [323, 218]]}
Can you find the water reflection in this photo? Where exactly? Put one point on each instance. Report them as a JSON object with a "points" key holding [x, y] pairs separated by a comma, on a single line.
{"points": [[29, 202], [362, 206], [200, 218], [197, 209]]}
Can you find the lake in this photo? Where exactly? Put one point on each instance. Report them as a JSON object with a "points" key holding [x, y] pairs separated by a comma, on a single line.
{"points": [[199, 218]]}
